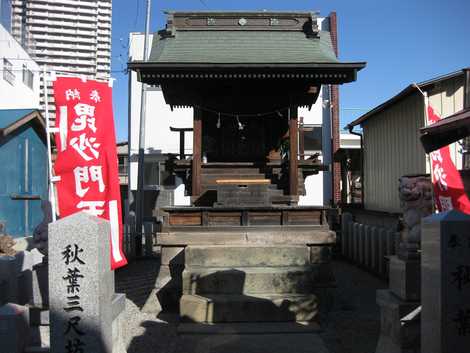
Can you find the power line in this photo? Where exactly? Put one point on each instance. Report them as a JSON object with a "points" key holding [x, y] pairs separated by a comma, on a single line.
{"points": [[204, 3], [136, 13]]}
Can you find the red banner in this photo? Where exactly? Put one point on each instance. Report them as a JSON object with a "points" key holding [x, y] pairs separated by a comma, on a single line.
{"points": [[448, 185], [86, 155]]}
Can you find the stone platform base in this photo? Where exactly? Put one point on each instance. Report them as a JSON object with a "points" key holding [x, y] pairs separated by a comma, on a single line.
{"points": [[249, 261]]}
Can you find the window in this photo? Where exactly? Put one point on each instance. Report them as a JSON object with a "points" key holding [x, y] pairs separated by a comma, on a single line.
{"points": [[122, 165], [8, 71], [28, 77], [312, 135]]}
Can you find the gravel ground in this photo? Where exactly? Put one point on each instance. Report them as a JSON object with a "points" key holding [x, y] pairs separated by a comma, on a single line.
{"points": [[352, 325]]}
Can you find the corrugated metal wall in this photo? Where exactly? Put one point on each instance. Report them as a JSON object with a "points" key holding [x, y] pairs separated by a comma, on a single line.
{"points": [[392, 147], [446, 98], [391, 150]]}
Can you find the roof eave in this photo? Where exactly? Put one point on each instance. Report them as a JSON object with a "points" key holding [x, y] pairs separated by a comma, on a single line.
{"points": [[35, 114], [446, 131], [139, 65]]}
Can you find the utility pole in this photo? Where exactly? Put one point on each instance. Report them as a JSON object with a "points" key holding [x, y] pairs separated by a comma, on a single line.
{"points": [[140, 163]]}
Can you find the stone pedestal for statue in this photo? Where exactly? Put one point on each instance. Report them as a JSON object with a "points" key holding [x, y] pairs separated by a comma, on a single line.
{"points": [[400, 332], [446, 283]]}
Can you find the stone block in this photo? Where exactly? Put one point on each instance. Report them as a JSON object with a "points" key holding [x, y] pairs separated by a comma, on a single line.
{"points": [[391, 245], [367, 246], [81, 284], [241, 308], [167, 292], [118, 305], [381, 234], [319, 236], [8, 274], [33, 286], [3, 292], [395, 337], [374, 249], [26, 260], [355, 257], [183, 239], [350, 253], [172, 255], [257, 280], [361, 245], [40, 287], [346, 219], [229, 256], [252, 328], [38, 316], [405, 278], [14, 328], [320, 254], [445, 283]]}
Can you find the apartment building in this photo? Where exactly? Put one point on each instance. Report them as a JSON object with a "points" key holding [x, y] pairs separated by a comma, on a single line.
{"points": [[71, 36], [19, 75]]}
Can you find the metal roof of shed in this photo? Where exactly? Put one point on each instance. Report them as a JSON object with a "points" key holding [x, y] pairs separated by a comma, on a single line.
{"points": [[425, 85], [12, 119], [10, 116]]}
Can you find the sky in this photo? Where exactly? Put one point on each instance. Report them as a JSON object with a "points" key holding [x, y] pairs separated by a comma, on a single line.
{"points": [[402, 41]]}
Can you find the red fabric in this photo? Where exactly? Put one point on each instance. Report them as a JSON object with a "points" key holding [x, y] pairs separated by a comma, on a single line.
{"points": [[86, 155], [448, 186]]}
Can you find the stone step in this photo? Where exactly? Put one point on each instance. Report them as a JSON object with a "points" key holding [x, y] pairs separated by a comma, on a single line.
{"points": [[244, 256], [242, 308], [35, 349], [257, 280], [237, 328]]}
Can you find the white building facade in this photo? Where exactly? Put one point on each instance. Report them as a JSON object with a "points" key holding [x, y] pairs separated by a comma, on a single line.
{"points": [[72, 36], [19, 79]]}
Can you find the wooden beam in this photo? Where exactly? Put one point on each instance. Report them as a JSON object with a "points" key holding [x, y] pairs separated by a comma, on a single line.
{"points": [[197, 152], [293, 152]]}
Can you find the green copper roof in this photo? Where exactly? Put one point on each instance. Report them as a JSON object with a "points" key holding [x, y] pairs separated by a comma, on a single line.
{"points": [[244, 47]]}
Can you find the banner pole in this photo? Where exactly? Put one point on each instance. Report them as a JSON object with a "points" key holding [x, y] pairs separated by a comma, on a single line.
{"points": [[140, 163], [49, 150]]}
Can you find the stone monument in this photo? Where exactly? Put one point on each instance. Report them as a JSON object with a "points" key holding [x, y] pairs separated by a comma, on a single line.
{"points": [[445, 283], [399, 329], [84, 310]]}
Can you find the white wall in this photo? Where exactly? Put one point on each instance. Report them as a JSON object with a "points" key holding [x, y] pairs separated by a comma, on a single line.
{"points": [[17, 95], [318, 188], [159, 118]]}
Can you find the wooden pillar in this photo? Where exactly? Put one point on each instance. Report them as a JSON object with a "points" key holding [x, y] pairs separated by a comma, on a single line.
{"points": [[293, 152], [301, 139], [197, 152], [336, 173]]}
